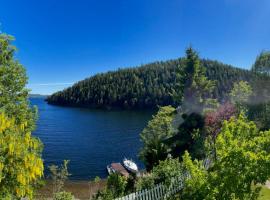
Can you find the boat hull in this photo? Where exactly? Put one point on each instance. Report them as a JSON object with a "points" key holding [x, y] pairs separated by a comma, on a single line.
{"points": [[133, 169]]}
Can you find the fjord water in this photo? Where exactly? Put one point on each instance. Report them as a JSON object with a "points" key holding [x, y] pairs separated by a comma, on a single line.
{"points": [[90, 138]]}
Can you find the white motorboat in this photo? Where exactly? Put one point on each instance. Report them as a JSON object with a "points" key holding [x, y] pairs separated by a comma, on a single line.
{"points": [[109, 169], [130, 165]]}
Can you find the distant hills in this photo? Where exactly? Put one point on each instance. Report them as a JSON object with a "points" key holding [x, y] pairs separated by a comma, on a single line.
{"points": [[146, 86], [37, 96]]}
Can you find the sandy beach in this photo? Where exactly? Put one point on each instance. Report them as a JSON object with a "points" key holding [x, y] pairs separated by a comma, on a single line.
{"points": [[80, 189]]}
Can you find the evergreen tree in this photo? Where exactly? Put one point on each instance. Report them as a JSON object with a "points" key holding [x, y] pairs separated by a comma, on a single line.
{"points": [[197, 93], [197, 87], [262, 63]]}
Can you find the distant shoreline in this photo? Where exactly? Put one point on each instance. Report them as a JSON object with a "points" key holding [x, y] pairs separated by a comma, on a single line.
{"points": [[106, 108], [38, 96]]}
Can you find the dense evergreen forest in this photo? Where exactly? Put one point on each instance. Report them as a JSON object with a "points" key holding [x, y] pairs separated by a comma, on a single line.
{"points": [[146, 86]]}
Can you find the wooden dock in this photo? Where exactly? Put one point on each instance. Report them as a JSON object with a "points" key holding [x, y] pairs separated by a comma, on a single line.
{"points": [[118, 168]]}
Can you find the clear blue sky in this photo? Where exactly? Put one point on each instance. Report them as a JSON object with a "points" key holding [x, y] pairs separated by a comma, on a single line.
{"points": [[63, 41]]}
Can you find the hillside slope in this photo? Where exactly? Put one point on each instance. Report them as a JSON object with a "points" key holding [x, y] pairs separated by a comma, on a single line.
{"points": [[143, 87]]}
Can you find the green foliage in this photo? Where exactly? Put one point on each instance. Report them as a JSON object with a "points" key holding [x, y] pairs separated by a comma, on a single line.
{"points": [[261, 88], [21, 166], [242, 161], [197, 89], [97, 179], [258, 107], [145, 182], [240, 95], [166, 170], [20, 159], [116, 187], [197, 93], [196, 183], [63, 196], [190, 136], [147, 86], [177, 90], [104, 195], [117, 184], [14, 96], [156, 131], [262, 63], [59, 175], [264, 194], [260, 114]]}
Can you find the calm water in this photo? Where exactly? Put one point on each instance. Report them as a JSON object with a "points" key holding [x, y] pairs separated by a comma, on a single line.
{"points": [[90, 139]]}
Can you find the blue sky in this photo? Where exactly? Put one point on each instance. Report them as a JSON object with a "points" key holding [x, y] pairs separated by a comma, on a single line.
{"points": [[63, 41]]}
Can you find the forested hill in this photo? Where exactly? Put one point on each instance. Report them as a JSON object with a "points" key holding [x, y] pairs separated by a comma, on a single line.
{"points": [[143, 87]]}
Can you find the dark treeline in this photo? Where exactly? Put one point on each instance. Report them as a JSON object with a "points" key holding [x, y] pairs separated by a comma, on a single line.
{"points": [[145, 87]]}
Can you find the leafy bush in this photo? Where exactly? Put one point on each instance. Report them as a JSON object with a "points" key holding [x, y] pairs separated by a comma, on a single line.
{"points": [[162, 173], [145, 182], [157, 130], [242, 161], [166, 170], [59, 175], [104, 195], [117, 184], [63, 196]]}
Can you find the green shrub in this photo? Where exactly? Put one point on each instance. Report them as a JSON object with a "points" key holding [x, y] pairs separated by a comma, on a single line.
{"points": [[105, 194], [63, 196], [117, 184], [145, 182]]}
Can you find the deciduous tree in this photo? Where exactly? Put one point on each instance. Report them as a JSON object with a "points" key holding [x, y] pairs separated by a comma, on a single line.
{"points": [[20, 160], [21, 165], [157, 130], [242, 164], [240, 95], [13, 94]]}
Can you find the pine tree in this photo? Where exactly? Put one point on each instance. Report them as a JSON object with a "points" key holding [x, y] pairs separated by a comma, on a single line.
{"points": [[262, 63], [197, 88]]}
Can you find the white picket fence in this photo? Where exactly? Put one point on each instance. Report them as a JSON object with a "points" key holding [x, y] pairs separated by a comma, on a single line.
{"points": [[159, 192]]}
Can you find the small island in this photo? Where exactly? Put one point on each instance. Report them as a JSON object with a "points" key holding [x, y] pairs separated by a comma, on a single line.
{"points": [[189, 119]]}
